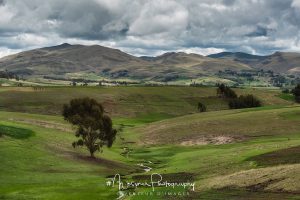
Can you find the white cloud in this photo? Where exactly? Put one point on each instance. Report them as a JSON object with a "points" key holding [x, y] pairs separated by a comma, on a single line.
{"points": [[5, 52], [157, 17], [153, 26], [296, 3], [201, 51], [6, 15]]}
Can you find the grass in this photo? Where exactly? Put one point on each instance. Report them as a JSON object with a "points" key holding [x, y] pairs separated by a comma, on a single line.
{"points": [[46, 167], [37, 160], [125, 102], [283, 156], [288, 97], [14, 132], [277, 178], [235, 125]]}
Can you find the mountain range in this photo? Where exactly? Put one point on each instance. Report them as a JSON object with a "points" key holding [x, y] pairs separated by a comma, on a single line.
{"points": [[65, 58]]}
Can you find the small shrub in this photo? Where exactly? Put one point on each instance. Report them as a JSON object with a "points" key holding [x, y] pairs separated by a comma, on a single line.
{"points": [[285, 91], [201, 107]]}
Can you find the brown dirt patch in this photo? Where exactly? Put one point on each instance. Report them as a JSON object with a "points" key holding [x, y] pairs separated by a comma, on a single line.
{"points": [[211, 139]]}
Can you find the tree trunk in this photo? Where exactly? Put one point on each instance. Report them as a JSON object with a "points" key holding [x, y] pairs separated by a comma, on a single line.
{"points": [[92, 154]]}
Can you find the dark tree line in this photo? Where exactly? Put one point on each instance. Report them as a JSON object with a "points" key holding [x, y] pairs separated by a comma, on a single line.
{"points": [[9, 75], [244, 101], [85, 82], [235, 102]]}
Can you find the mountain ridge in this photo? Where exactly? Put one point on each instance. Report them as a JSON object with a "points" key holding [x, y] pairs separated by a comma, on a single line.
{"points": [[67, 58], [279, 62]]}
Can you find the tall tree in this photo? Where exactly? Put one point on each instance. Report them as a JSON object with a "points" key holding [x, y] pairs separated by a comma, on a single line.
{"points": [[94, 129], [296, 92]]}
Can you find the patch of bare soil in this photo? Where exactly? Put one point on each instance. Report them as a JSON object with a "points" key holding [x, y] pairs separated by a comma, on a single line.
{"points": [[212, 139], [44, 124]]}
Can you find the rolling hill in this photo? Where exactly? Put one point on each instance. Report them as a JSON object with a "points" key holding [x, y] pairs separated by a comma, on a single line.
{"points": [[113, 63], [68, 58], [279, 62], [233, 154], [238, 56]]}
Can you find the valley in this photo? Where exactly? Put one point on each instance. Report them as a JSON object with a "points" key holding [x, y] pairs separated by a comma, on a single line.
{"points": [[226, 153]]}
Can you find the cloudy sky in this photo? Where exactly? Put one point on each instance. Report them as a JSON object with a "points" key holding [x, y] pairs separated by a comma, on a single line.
{"points": [[152, 27]]}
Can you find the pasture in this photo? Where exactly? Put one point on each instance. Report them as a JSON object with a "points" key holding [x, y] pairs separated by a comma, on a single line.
{"points": [[229, 154]]}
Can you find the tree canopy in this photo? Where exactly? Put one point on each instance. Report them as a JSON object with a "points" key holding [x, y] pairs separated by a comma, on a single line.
{"points": [[225, 91], [244, 101], [296, 92], [94, 128]]}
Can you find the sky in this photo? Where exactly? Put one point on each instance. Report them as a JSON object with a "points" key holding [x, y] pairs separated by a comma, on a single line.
{"points": [[152, 27]]}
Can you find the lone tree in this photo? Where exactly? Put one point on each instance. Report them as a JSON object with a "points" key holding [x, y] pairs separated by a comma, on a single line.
{"points": [[94, 129]]}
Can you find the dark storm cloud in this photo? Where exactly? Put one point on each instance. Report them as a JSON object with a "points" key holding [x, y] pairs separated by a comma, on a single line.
{"points": [[79, 19], [259, 31], [153, 26]]}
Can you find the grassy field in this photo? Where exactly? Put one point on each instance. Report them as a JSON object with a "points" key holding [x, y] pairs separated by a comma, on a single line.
{"points": [[125, 101], [229, 154], [233, 125]]}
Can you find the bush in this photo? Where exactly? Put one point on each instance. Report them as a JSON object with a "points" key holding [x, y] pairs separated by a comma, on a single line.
{"points": [[201, 107], [247, 101], [285, 91]]}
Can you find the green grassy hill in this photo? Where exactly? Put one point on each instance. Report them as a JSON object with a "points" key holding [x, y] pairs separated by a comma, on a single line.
{"points": [[44, 165], [248, 154], [222, 126]]}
